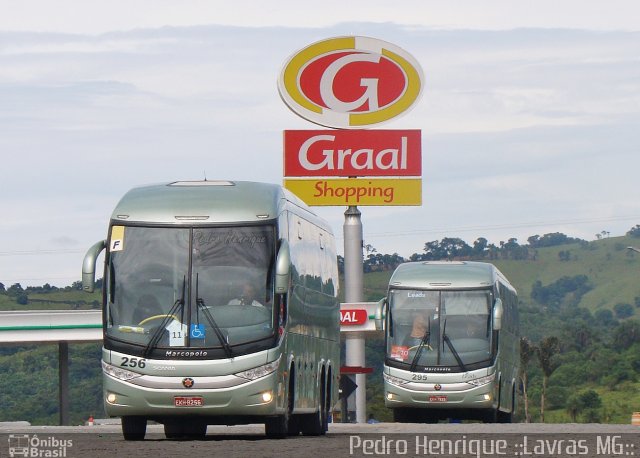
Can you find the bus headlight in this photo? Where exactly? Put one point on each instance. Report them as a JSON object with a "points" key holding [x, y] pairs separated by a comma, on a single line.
{"points": [[261, 371], [482, 380], [394, 380], [118, 372]]}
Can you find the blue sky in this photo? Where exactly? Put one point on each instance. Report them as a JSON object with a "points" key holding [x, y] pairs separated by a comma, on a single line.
{"points": [[530, 114]]}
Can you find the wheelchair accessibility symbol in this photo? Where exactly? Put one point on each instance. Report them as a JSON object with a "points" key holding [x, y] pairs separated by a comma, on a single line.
{"points": [[197, 331]]}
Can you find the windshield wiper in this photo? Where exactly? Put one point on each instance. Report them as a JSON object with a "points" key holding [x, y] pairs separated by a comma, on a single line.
{"points": [[157, 335], [202, 306], [447, 340], [424, 341]]}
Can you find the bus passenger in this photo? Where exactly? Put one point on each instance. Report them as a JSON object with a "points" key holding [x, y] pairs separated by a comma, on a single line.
{"points": [[419, 331]]}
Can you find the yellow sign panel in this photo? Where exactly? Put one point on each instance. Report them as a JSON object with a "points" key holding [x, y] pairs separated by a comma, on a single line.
{"points": [[117, 239], [357, 191]]}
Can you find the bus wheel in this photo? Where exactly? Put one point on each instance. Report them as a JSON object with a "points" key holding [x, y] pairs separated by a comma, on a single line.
{"points": [[173, 430], [490, 416], [134, 428], [505, 417], [313, 424], [187, 430], [278, 427], [327, 406], [402, 415], [195, 430]]}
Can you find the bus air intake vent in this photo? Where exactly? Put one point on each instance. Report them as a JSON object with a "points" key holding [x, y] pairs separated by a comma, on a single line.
{"points": [[192, 218]]}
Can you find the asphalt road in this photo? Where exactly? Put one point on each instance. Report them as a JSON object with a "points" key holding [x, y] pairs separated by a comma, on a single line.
{"points": [[343, 440]]}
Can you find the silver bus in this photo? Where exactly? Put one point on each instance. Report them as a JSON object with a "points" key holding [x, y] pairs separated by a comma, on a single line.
{"points": [[452, 343], [219, 307]]}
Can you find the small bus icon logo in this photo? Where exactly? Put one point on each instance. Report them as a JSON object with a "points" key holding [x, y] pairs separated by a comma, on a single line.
{"points": [[18, 445]]}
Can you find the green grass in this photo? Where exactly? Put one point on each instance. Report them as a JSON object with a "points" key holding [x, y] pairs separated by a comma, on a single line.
{"points": [[618, 403], [613, 271], [58, 300]]}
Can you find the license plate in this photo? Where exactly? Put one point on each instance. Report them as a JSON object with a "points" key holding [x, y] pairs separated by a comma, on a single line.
{"points": [[439, 398], [188, 401]]}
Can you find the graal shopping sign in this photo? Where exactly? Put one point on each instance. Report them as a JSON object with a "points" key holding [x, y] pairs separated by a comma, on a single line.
{"points": [[352, 83]]}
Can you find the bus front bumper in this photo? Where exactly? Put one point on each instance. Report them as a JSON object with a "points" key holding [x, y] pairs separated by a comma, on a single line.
{"points": [[438, 395], [195, 396]]}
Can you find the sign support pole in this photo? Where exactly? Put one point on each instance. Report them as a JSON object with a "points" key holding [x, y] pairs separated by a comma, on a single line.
{"points": [[354, 288]]}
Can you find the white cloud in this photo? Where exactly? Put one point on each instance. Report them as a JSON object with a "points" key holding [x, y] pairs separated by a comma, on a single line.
{"points": [[524, 131], [95, 17]]}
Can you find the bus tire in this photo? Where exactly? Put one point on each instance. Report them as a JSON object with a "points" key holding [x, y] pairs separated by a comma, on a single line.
{"points": [[185, 429], [490, 416], [173, 430], [280, 426], [195, 430], [507, 417], [313, 424], [134, 428], [327, 404], [402, 415]]}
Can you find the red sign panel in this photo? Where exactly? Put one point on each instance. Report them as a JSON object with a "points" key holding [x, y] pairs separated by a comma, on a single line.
{"points": [[352, 153], [353, 317]]}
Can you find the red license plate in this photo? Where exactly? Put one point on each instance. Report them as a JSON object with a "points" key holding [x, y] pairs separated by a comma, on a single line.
{"points": [[439, 398], [188, 401]]}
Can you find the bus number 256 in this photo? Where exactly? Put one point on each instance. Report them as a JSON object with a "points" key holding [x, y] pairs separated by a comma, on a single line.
{"points": [[133, 362]]}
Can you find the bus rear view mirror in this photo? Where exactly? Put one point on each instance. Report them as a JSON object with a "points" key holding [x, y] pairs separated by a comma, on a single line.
{"points": [[89, 266], [283, 268], [380, 314], [498, 311]]}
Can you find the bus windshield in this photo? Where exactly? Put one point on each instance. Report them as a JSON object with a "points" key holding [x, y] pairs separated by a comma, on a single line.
{"points": [[176, 288], [439, 329]]}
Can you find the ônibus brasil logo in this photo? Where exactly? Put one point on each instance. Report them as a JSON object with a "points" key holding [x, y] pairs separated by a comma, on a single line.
{"points": [[350, 82]]}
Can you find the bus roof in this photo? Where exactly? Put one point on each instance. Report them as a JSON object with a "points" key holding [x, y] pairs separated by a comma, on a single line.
{"points": [[446, 275], [205, 202]]}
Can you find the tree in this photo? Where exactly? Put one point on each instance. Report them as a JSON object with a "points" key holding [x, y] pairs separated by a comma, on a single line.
{"points": [[15, 289], [623, 310], [547, 349], [480, 246], [604, 317], [552, 239], [2, 290], [573, 407], [634, 231], [527, 351], [626, 334]]}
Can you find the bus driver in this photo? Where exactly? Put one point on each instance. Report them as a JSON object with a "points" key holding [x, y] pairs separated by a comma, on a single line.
{"points": [[248, 297]]}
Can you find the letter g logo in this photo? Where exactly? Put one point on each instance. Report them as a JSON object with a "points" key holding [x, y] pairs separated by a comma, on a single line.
{"points": [[350, 82]]}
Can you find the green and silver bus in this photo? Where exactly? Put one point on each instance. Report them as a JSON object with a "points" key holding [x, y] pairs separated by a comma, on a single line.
{"points": [[219, 307], [452, 343]]}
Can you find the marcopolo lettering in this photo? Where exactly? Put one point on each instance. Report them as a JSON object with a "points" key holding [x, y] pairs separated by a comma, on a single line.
{"points": [[185, 353]]}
